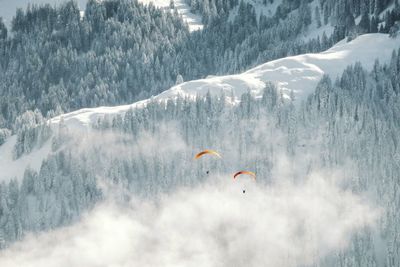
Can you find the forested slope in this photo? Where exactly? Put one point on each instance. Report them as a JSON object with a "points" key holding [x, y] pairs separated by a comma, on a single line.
{"points": [[121, 51]]}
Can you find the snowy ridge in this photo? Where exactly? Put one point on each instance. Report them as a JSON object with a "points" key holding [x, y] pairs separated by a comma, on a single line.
{"points": [[299, 74]]}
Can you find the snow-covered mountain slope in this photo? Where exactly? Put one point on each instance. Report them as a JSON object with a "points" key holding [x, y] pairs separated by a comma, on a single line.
{"points": [[11, 168], [298, 73]]}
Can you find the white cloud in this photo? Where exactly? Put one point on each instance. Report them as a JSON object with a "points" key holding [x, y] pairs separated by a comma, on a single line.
{"points": [[213, 224]]}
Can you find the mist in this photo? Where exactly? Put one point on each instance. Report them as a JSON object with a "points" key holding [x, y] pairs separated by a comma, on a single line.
{"points": [[159, 207], [212, 224]]}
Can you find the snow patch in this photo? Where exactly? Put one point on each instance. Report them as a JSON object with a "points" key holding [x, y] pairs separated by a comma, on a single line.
{"points": [[10, 168], [388, 8], [193, 20]]}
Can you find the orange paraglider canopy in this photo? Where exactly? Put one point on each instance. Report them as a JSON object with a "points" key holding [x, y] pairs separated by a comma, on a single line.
{"points": [[207, 151], [244, 172]]}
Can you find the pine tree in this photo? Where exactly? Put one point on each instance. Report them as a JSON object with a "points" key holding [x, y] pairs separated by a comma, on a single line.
{"points": [[326, 14], [373, 25], [364, 25], [179, 79], [317, 17], [3, 30]]}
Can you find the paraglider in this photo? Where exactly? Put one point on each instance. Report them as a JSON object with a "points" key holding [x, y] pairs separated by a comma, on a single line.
{"points": [[244, 172], [207, 151], [252, 174]]}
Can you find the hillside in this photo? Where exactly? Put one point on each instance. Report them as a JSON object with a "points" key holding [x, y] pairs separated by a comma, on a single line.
{"points": [[8, 8], [214, 133], [193, 20], [298, 73], [124, 51], [325, 172]]}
